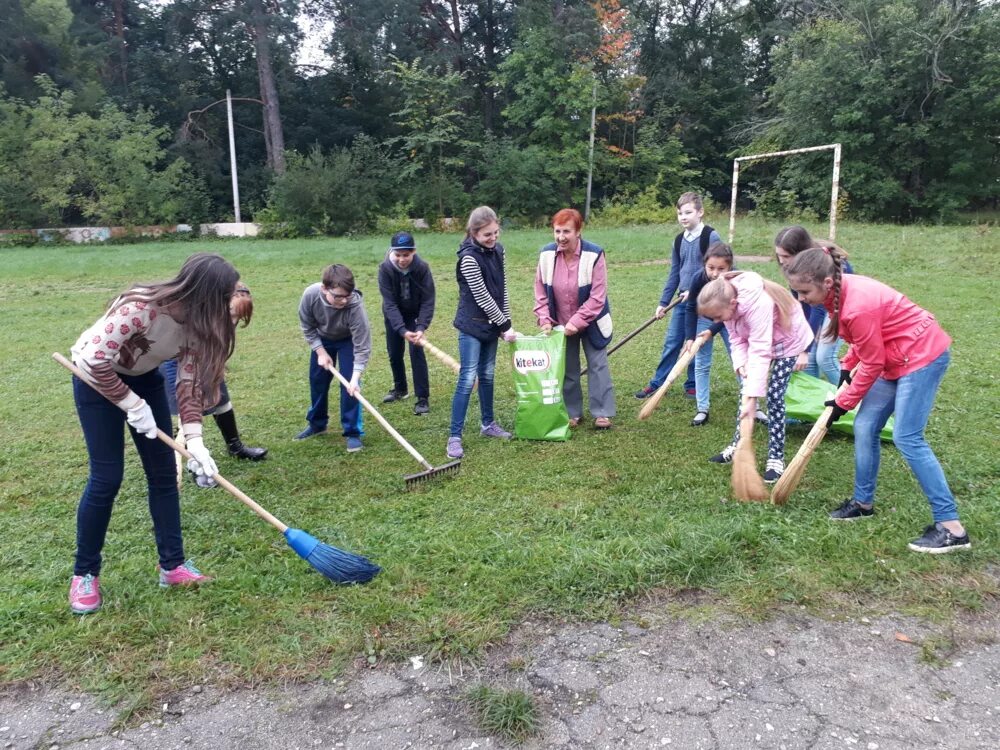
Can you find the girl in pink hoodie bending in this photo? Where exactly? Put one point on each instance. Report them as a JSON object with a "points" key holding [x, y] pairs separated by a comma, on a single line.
{"points": [[768, 333]]}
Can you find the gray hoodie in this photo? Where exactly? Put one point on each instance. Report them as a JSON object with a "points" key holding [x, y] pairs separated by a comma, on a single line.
{"points": [[321, 320]]}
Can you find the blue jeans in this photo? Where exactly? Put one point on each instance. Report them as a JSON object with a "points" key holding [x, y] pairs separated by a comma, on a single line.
{"points": [[911, 399], [672, 345], [703, 364], [103, 424], [342, 353], [169, 371], [478, 359], [823, 360]]}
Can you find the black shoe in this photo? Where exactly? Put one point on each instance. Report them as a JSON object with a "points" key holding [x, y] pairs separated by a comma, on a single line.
{"points": [[937, 540], [421, 407], [775, 468], [726, 457], [237, 449], [395, 395], [645, 392], [700, 419], [851, 510]]}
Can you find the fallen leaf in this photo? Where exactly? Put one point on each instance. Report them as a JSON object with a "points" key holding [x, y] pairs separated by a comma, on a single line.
{"points": [[903, 637]]}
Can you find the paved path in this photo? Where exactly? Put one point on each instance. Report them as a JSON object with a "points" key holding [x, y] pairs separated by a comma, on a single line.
{"points": [[793, 682]]}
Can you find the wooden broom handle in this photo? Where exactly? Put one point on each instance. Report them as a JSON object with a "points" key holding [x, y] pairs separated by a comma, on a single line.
{"points": [[381, 420], [231, 488], [442, 356]]}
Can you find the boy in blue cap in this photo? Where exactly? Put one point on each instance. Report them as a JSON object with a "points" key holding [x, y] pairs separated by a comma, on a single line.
{"points": [[407, 288]]}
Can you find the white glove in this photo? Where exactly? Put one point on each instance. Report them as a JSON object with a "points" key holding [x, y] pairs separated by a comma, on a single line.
{"points": [[354, 388], [202, 462], [510, 335], [141, 418]]}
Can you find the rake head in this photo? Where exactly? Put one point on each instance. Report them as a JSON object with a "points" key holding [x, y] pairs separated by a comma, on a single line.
{"points": [[432, 473]]}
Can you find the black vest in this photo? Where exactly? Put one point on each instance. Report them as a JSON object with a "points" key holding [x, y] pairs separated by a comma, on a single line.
{"points": [[470, 318]]}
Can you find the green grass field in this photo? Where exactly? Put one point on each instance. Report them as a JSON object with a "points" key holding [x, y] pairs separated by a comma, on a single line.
{"points": [[577, 529]]}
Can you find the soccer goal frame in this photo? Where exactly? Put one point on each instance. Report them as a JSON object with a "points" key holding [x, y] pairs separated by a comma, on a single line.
{"points": [[834, 190]]}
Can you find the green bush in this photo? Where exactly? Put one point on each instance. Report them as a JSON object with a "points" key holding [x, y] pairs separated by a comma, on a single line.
{"points": [[340, 192], [644, 208]]}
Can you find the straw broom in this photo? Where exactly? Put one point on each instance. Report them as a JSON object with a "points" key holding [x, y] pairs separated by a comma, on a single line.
{"points": [[746, 482], [786, 485], [681, 366]]}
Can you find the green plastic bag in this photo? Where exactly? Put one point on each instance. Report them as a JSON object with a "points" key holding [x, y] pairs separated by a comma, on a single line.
{"points": [[804, 400], [539, 364]]}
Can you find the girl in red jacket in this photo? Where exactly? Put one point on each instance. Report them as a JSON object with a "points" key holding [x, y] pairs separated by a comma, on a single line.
{"points": [[901, 354]]}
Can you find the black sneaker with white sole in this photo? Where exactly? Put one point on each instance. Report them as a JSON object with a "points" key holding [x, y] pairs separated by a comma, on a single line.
{"points": [[937, 540], [700, 419], [726, 457], [851, 510], [775, 468]]}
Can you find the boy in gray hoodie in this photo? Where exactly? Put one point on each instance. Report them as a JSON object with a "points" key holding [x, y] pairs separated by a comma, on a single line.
{"points": [[335, 326]]}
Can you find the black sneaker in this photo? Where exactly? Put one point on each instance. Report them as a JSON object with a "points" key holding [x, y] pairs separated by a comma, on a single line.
{"points": [[421, 407], [775, 468], [645, 392], [851, 510], [395, 395], [726, 457], [937, 540], [700, 419]]}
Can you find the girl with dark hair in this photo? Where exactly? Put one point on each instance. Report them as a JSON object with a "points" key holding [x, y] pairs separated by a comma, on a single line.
{"points": [[901, 355], [187, 318]]}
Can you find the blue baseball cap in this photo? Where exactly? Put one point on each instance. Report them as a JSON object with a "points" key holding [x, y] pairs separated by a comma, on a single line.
{"points": [[402, 241]]}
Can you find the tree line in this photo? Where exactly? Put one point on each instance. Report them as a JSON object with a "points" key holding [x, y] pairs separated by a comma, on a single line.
{"points": [[110, 110]]}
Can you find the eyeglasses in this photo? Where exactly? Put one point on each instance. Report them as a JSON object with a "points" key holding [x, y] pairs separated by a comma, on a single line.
{"points": [[337, 296]]}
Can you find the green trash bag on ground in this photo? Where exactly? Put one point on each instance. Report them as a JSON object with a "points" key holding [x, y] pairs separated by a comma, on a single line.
{"points": [[804, 400], [539, 363]]}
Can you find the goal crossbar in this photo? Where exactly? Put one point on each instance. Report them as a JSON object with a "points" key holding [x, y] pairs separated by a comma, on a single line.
{"points": [[835, 183]]}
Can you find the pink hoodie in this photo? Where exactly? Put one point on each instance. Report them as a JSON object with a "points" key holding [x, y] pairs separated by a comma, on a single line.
{"points": [[756, 335]]}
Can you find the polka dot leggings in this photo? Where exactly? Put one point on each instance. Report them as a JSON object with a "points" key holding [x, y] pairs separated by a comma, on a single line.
{"points": [[777, 384]]}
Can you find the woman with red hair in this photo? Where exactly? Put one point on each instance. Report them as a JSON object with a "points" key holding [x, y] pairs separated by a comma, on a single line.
{"points": [[571, 291]]}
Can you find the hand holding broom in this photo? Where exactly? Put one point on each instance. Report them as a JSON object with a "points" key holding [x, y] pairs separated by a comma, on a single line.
{"points": [[746, 482], [681, 366], [337, 565], [790, 479]]}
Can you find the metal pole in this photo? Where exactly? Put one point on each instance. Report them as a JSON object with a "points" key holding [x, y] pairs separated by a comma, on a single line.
{"points": [[232, 157], [732, 204], [590, 168], [835, 192]]}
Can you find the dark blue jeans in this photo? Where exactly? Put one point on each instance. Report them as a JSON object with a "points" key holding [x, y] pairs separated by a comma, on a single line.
{"points": [[342, 353], [103, 424], [673, 342], [395, 346]]}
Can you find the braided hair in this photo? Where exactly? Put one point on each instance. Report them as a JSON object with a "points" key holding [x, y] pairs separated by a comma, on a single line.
{"points": [[814, 266]]}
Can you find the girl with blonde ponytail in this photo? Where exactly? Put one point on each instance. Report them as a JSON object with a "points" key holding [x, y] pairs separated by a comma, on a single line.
{"points": [[768, 332], [901, 355]]}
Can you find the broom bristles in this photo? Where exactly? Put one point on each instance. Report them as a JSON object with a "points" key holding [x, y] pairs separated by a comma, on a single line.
{"points": [[336, 564], [747, 484], [680, 366], [789, 481]]}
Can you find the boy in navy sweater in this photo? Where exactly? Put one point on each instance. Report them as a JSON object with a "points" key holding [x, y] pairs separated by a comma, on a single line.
{"points": [[686, 261], [407, 288]]}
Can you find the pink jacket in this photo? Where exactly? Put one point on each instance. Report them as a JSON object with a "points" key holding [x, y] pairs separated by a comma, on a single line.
{"points": [[890, 336], [756, 335]]}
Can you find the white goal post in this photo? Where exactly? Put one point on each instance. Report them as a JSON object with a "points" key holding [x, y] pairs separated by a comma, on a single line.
{"points": [[756, 157]]}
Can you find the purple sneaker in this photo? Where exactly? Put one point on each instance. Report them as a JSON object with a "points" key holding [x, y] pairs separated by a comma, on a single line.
{"points": [[495, 431], [455, 448]]}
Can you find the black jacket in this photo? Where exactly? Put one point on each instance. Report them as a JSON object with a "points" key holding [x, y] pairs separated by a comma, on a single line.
{"points": [[407, 296]]}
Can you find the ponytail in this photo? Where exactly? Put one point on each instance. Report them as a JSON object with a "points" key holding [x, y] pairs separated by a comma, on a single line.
{"points": [[783, 300]]}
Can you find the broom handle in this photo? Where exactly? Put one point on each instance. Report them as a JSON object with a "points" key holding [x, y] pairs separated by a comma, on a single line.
{"points": [[680, 366], [637, 331], [219, 479], [442, 356], [381, 420]]}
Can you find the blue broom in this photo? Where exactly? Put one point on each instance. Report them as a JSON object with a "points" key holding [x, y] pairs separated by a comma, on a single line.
{"points": [[336, 564]]}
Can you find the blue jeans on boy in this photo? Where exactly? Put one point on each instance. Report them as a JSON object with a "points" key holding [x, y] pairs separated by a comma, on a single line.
{"points": [[703, 364], [672, 345], [103, 430], [478, 359], [341, 352], [911, 399]]}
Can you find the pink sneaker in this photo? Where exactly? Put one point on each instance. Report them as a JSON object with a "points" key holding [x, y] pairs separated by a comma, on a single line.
{"points": [[183, 575], [84, 594]]}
